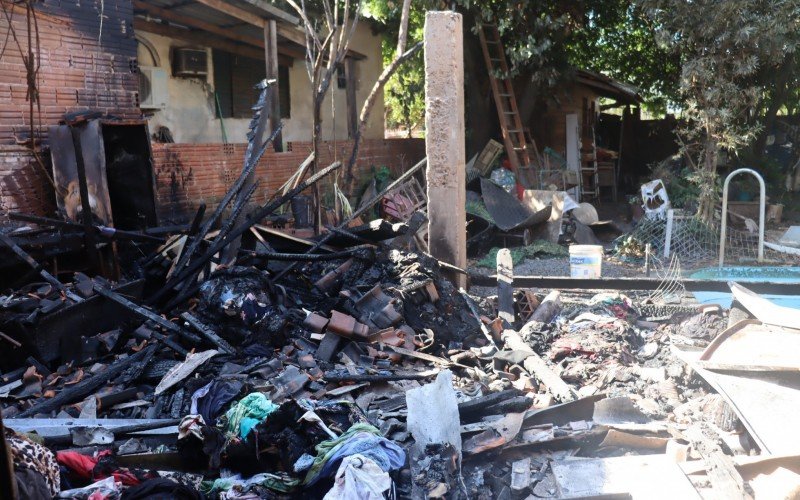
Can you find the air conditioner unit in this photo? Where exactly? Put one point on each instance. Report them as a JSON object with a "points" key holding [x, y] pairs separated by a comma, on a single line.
{"points": [[189, 62], [153, 90]]}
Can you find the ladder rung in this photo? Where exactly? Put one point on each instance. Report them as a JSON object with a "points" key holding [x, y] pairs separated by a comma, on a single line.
{"points": [[515, 130], [504, 95], [509, 112]]}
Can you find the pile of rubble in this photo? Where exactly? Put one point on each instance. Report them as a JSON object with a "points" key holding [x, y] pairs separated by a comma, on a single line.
{"points": [[350, 366], [360, 375]]}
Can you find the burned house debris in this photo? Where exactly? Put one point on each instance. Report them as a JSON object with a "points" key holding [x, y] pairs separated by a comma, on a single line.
{"points": [[162, 343]]}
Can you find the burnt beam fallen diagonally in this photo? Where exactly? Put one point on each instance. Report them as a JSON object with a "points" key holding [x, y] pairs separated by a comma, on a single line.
{"points": [[146, 313], [86, 386], [5, 240], [252, 219], [363, 208]]}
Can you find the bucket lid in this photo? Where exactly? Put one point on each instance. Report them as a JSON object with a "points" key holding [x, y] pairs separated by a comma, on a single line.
{"points": [[585, 249]]}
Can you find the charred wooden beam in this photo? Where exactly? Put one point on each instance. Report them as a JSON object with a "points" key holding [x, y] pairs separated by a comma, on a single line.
{"points": [[378, 377], [86, 386], [86, 209], [256, 216], [104, 231], [180, 274], [208, 333], [5, 240], [146, 313]]}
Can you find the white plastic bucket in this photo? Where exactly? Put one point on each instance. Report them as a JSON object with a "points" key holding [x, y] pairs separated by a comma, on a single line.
{"points": [[585, 261]]}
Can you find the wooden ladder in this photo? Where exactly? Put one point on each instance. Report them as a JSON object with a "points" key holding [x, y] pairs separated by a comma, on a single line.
{"points": [[506, 103], [590, 175]]}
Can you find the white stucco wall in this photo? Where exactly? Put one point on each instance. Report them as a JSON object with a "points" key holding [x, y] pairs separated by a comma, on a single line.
{"points": [[190, 112]]}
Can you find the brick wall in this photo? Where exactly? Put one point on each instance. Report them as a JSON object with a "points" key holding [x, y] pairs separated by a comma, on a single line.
{"points": [[23, 185], [80, 66], [188, 174]]}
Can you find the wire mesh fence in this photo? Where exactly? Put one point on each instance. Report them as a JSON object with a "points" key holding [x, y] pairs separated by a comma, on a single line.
{"points": [[696, 243]]}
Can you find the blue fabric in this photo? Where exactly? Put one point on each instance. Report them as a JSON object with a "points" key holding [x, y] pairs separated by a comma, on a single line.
{"points": [[385, 453]]}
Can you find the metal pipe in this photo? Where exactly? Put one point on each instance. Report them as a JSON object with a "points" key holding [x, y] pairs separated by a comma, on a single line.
{"points": [[761, 212]]}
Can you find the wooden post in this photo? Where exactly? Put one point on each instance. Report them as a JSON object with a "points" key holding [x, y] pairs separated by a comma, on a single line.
{"points": [[505, 287], [352, 111], [444, 142], [271, 58]]}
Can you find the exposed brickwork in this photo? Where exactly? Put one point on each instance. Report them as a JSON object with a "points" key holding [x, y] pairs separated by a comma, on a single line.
{"points": [[81, 68], [23, 185], [188, 174]]}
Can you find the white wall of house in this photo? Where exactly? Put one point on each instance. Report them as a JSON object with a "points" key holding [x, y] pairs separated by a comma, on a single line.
{"points": [[190, 115]]}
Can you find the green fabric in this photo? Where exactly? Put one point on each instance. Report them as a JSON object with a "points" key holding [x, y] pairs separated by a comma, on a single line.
{"points": [[326, 449], [538, 248], [281, 482], [249, 412]]}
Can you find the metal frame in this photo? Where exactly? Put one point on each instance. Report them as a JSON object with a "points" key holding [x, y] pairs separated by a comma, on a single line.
{"points": [[690, 284], [761, 210]]}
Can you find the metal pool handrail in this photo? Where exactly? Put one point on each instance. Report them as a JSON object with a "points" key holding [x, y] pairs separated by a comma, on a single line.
{"points": [[761, 209]]}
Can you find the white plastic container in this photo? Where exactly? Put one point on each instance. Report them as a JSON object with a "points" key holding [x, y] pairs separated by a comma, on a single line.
{"points": [[585, 261]]}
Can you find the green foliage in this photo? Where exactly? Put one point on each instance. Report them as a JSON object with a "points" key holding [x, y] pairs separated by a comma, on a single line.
{"points": [[616, 39], [543, 41], [534, 34], [382, 176], [724, 46], [682, 191], [404, 93], [770, 169]]}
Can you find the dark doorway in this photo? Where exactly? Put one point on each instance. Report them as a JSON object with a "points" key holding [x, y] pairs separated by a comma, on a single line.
{"points": [[129, 172]]}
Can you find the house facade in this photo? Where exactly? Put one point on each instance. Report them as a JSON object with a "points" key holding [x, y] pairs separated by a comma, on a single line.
{"points": [[185, 70]]}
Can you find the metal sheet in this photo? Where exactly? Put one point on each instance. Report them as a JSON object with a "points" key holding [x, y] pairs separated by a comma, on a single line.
{"points": [[646, 477], [65, 170], [766, 402], [56, 427], [507, 211], [754, 346], [765, 310]]}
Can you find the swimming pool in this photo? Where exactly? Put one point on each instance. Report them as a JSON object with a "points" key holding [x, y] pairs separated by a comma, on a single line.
{"points": [[743, 274]]}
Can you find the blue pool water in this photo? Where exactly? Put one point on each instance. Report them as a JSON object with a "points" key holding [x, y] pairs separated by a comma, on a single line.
{"points": [[743, 275]]}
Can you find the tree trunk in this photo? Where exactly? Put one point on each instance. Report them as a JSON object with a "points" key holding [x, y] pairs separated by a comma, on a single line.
{"points": [[708, 181], [779, 97], [315, 146]]}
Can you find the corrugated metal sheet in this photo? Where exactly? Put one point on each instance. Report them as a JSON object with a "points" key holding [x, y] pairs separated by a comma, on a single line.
{"points": [[508, 213]]}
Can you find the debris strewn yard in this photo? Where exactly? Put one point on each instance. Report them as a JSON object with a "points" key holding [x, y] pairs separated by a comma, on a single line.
{"points": [[220, 278]]}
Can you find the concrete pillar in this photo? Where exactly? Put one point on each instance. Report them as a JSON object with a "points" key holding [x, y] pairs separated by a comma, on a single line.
{"points": [[444, 139]]}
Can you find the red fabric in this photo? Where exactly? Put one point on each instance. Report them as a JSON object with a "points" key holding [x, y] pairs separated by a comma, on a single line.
{"points": [[83, 466]]}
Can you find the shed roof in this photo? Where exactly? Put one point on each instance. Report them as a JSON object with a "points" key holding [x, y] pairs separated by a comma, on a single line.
{"points": [[622, 92]]}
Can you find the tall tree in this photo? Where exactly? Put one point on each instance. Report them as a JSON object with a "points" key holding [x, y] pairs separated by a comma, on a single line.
{"points": [[327, 43], [723, 45], [617, 39]]}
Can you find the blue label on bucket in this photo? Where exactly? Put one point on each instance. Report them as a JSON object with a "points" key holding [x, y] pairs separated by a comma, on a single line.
{"points": [[579, 260]]}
